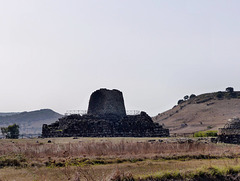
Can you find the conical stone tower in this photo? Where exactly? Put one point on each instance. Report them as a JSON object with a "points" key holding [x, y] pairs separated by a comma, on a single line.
{"points": [[107, 102]]}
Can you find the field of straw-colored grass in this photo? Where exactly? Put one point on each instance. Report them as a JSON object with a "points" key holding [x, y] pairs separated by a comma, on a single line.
{"points": [[104, 158], [115, 147], [107, 172]]}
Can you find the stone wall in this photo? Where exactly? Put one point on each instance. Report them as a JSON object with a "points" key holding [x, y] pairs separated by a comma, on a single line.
{"points": [[105, 126], [232, 139], [105, 102], [230, 133]]}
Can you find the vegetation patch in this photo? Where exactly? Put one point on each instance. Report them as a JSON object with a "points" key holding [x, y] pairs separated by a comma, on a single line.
{"points": [[12, 161], [87, 161], [209, 133], [208, 173], [106, 161]]}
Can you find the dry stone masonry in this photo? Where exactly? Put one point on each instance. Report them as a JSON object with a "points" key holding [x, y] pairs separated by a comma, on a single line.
{"points": [[107, 102], [231, 132], [106, 117]]}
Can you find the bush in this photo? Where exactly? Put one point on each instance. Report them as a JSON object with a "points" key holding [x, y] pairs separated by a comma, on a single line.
{"points": [[219, 94], [180, 101], [186, 97], [192, 96], [205, 134], [230, 89], [209, 127], [233, 95]]}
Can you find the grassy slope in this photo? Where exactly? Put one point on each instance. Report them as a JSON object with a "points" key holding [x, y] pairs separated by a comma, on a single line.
{"points": [[201, 113]]}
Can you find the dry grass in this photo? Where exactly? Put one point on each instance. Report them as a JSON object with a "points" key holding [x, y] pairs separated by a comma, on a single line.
{"points": [[198, 117], [112, 148], [106, 172], [102, 159]]}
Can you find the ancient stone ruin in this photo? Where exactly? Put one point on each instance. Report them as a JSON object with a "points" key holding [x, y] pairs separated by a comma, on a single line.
{"points": [[106, 117], [106, 102], [231, 132]]}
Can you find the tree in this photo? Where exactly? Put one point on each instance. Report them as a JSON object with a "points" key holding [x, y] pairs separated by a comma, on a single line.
{"points": [[4, 131], [233, 95], [230, 89], [186, 97], [219, 94], [180, 101], [192, 96], [12, 131]]}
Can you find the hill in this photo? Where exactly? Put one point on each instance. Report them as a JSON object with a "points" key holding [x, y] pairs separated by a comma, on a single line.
{"points": [[29, 122], [204, 112], [8, 113]]}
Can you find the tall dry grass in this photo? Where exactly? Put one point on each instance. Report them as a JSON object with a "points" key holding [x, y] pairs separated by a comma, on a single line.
{"points": [[43, 159], [123, 148]]}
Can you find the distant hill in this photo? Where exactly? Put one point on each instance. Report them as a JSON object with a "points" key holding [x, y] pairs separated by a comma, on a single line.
{"points": [[30, 122], [204, 112], [8, 113]]}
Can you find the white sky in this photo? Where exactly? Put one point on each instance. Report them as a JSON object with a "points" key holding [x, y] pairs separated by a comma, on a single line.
{"points": [[55, 53]]}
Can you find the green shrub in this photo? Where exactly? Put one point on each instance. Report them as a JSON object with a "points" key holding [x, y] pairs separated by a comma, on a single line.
{"points": [[180, 101], [205, 134], [12, 161], [209, 127]]}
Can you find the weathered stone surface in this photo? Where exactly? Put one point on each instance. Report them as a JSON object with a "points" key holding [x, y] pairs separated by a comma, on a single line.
{"points": [[231, 132], [106, 118], [105, 102], [232, 139], [110, 126], [232, 127]]}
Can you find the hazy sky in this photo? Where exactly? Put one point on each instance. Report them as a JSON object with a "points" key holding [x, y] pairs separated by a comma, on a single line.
{"points": [[55, 53]]}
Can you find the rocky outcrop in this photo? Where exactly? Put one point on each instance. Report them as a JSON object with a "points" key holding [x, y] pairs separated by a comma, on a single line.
{"points": [[106, 117]]}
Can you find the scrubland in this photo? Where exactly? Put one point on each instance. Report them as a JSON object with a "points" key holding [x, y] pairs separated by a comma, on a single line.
{"points": [[117, 159]]}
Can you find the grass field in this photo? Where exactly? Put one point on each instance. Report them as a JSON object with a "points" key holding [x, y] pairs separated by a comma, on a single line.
{"points": [[113, 158]]}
